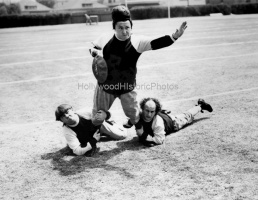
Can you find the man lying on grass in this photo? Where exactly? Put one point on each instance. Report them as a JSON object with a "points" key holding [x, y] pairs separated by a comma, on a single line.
{"points": [[82, 132], [157, 123]]}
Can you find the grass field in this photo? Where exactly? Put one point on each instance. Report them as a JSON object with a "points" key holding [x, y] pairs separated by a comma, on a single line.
{"points": [[215, 158]]}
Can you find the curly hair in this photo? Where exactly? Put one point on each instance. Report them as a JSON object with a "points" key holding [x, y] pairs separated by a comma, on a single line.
{"points": [[156, 101]]}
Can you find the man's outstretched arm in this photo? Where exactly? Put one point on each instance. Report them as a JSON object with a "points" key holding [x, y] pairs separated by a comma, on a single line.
{"points": [[168, 40]]}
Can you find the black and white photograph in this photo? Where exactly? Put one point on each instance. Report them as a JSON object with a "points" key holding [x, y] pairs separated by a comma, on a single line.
{"points": [[129, 99]]}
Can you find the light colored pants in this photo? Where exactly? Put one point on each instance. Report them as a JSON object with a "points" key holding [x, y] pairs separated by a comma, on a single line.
{"points": [[113, 130], [185, 118], [103, 101]]}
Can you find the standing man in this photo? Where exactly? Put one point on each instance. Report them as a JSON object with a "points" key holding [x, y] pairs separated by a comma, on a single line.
{"points": [[88, 19], [157, 123], [82, 132], [121, 52]]}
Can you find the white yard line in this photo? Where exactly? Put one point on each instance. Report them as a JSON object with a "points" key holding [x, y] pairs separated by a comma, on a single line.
{"points": [[88, 42], [48, 60], [216, 37], [197, 60], [87, 47], [213, 95], [210, 45], [43, 51], [45, 44], [45, 79], [166, 49], [15, 126], [142, 67], [41, 44]]}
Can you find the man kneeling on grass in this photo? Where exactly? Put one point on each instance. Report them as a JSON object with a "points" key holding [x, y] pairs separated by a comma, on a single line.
{"points": [[82, 132], [157, 123]]}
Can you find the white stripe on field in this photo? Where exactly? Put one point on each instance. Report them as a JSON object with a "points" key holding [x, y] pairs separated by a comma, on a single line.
{"points": [[166, 49], [142, 67], [221, 36], [182, 39], [118, 110], [46, 79], [49, 60], [196, 60], [47, 51], [209, 45], [43, 45], [213, 95]]}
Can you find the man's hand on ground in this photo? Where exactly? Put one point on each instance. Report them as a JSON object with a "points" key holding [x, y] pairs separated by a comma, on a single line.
{"points": [[97, 135]]}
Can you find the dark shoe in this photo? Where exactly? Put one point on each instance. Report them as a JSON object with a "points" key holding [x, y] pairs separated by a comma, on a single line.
{"points": [[204, 105], [128, 124], [147, 144]]}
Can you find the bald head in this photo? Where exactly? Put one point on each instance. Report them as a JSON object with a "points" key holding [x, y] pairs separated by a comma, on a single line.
{"points": [[149, 110], [150, 104]]}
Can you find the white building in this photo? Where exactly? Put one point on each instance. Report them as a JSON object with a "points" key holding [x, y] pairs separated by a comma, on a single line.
{"points": [[8, 2], [78, 5], [183, 2], [32, 6]]}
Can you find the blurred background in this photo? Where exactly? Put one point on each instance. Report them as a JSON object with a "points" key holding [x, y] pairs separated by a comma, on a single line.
{"points": [[21, 13]]}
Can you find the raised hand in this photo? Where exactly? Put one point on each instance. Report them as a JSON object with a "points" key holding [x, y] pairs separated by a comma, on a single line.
{"points": [[179, 32]]}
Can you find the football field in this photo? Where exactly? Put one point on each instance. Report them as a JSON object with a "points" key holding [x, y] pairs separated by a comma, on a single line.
{"points": [[215, 158]]}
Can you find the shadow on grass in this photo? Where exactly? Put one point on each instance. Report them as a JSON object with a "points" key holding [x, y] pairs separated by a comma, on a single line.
{"points": [[67, 163], [77, 164], [197, 120]]}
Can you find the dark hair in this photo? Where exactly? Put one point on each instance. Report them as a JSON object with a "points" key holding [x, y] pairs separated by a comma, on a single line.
{"points": [[156, 101], [121, 13], [60, 110]]}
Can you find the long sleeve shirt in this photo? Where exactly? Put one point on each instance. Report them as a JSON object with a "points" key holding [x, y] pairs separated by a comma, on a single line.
{"points": [[121, 58], [155, 130], [108, 128], [79, 138]]}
